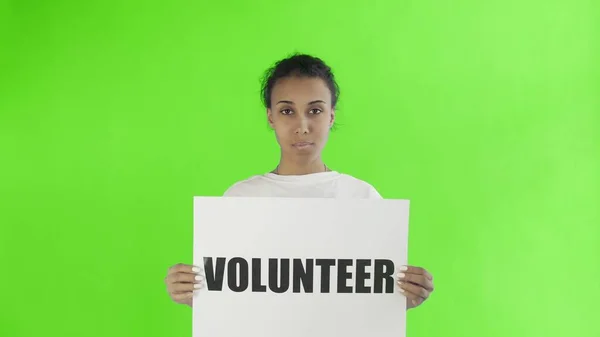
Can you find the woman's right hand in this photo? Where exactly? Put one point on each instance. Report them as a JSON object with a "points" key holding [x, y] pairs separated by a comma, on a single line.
{"points": [[181, 281]]}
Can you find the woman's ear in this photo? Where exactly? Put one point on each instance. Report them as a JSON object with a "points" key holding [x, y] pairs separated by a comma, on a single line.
{"points": [[332, 120], [270, 118]]}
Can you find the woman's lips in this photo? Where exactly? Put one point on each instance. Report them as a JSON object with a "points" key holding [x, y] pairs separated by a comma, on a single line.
{"points": [[302, 145]]}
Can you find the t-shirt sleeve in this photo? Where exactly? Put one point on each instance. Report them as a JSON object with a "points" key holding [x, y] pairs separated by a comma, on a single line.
{"points": [[233, 191], [373, 193], [242, 188]]}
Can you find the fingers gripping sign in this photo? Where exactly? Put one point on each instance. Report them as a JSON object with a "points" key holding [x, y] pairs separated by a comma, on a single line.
{"points": [[182, 280], [416, 284]]}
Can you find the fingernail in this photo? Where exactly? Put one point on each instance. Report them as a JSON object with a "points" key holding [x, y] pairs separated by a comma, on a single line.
{"points": [[198, 286], [401, 275], [401, 290], [195, 269], [403, 268], [199, 278], [414, 302]]}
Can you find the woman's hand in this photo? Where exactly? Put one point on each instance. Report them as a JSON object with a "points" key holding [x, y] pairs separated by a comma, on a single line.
{"points": [[181, 281], [416, 284]]}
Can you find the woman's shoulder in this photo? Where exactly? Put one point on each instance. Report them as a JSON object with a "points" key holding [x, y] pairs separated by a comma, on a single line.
{"points": [[358, 187], [244, 187]]}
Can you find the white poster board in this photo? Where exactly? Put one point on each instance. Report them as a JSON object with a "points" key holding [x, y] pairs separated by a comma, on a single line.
{"points": [[244, 245]]}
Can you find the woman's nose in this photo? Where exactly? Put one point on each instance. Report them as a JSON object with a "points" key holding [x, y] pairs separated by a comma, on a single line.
{"points": [[303, 126]]}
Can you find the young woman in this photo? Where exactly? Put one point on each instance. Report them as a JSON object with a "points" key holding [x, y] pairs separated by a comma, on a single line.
{"points": [[300, 95]]}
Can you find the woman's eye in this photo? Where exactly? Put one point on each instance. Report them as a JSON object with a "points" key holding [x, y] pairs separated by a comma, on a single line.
{"points": [[286, 111], [315, 111]]}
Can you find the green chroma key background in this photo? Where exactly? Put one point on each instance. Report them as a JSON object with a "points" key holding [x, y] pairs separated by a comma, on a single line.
{"points": [[485, 114]]}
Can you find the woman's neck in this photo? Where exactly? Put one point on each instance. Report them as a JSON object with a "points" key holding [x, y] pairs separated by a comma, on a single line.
{"points": [[297, 167]]}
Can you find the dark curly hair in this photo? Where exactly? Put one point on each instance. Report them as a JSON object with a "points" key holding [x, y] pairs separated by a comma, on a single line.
{"points": [[299, 65]]}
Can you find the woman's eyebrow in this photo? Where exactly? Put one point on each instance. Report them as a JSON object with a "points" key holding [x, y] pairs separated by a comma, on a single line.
{"points": [[285, 102], [292, 103]]}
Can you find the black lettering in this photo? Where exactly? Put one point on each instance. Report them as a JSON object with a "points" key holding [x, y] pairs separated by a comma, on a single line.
{"points": [[214, 277], [284, 275], [303, 276], [257, 277], [362, 276], [325, 265], [384, 270], [344, 276], [232, 273]]}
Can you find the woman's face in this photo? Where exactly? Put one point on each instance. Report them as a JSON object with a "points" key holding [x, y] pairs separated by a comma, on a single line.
{"points": [[301, 115]]}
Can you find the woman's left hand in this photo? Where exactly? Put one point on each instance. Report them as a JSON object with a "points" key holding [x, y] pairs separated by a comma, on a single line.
{"points": [[416, 284]]}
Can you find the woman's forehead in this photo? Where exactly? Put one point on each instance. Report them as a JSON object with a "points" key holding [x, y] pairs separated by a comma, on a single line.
{"points": [[301, 88]]}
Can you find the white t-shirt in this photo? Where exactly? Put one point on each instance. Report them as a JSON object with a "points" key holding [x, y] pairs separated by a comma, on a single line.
{"points": [[316, 185]]}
